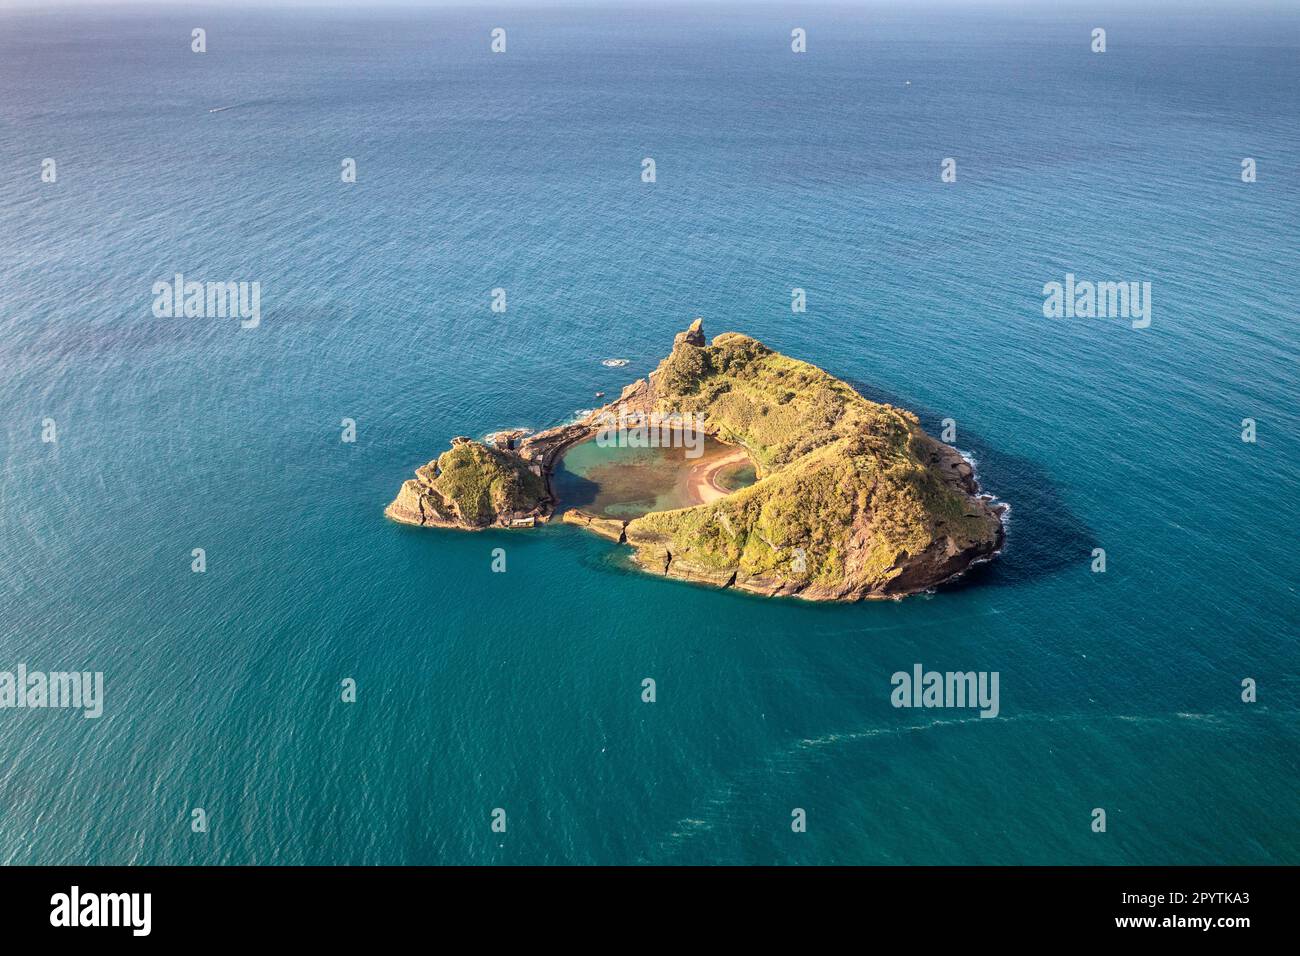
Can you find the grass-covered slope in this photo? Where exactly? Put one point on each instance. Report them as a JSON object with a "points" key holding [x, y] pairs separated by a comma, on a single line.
{"points": [[470, 485], [854, 499]]}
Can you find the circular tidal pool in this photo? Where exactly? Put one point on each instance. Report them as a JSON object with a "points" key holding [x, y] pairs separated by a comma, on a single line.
{"points": [[626, 481]]}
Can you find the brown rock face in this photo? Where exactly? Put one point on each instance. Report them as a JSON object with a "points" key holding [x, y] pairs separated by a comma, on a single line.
{"points": [[406, 506], [694, 334], [611, 528]]}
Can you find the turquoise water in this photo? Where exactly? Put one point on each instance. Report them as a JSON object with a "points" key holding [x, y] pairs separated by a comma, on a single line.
{"points": [[522, 690], [622, 477]]}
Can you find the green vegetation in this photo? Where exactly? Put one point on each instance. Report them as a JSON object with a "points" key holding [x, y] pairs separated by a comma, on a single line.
{"points": [[481, 483], [850, 483]]}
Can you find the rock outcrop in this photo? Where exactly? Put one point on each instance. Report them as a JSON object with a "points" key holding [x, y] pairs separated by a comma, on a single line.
{"points": [[853, 499], [612, 528], [694, 335]]}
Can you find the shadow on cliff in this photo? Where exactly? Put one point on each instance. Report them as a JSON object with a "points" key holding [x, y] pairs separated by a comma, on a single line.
{"points": [[1043, 536]]}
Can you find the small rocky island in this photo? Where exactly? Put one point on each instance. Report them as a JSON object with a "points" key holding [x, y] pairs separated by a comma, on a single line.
{"points": [[853, 500]]}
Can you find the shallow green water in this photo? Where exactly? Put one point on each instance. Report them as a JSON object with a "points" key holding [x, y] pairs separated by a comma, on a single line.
{"points": [[623, 481]]}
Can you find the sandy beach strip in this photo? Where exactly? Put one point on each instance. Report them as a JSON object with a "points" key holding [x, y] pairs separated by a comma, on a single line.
{"points": [[703, 486]]}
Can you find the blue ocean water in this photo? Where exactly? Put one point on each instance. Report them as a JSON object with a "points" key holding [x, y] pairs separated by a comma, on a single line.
{"points": [[522, 691]]}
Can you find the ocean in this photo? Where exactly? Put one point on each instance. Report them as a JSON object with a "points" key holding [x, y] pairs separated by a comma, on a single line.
{"points": [[521, 691]]}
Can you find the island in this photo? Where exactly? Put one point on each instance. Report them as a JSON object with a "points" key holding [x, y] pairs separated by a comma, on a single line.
{"points": [[852, 499]]}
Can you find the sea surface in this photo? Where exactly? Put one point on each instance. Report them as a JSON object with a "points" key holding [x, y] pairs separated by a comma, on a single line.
{"points": [[522, 690]]}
